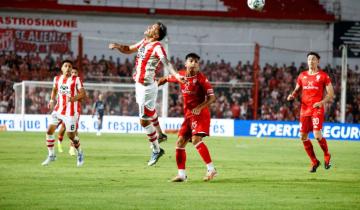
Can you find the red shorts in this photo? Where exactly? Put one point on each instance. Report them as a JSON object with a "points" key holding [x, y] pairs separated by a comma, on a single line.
{"points": [[313, 122], [196, 124]]}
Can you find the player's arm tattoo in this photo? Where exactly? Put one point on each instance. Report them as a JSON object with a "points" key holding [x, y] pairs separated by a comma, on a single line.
{"points": [[126, 49], [329, 94], [296, 90], [79, 96], [169, 66]]}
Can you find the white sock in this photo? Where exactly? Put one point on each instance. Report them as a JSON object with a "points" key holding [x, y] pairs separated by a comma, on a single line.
{"points": [[210, 166], [181, 173]]}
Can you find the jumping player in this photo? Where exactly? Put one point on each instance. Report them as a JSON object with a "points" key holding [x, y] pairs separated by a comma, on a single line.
{"points": [[150, 53], [312, 84], [198, 95], [69, 91]]}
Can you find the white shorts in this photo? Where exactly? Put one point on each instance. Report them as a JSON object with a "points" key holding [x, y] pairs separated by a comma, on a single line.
{"points": [[146, 99], [69, 121]]}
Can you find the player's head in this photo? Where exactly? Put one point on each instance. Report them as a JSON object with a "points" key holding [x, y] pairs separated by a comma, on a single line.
{"points": [[156, 31], [313, 59], [192, 62], [66, 67], [74, 72], [100, 97]]}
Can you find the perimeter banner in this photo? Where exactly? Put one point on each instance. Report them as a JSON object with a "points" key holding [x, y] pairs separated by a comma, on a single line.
{"points": [[41, 41], [283, 129]]}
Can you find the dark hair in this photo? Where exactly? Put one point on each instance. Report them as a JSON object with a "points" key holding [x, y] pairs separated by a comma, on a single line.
{"points": [[315, 54], [192, 55], [66, 61], [162, 31]]}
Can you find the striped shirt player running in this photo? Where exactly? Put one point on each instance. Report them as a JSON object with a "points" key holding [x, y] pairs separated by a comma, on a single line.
{"points": [[68, 90], [150, 53]]}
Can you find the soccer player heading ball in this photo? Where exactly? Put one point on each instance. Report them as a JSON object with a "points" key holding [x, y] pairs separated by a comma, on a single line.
{"points": [[198, 95], [150, 53], [312, 84]]}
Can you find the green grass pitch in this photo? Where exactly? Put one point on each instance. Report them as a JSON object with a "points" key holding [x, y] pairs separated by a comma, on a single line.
{"points": [[253, 174]]}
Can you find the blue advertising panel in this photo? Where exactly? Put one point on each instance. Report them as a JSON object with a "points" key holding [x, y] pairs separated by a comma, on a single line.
{"points": [[285, 129]]}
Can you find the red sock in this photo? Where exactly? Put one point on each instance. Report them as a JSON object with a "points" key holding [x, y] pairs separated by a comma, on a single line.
{"points": [[60, 138], [323, 145], [180, 158], [204, 152], [310, 150]]}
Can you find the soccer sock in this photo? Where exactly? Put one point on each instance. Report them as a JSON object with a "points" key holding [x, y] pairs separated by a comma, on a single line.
{"points": [[50, 140], [205, 155], [181, 159], [60, 138], [310, 150], [323, 145], [156, 124], [153, 137]]}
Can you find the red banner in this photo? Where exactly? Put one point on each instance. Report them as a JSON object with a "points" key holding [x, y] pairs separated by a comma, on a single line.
{"points": [[21, 40]]}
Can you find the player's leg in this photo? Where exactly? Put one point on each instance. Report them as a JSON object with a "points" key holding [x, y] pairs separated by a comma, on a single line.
{"points": [[205, 155], [155, 121], [305, 127], [70, 124], [99, 125], [72, 150], [146, 99], [317, 125], [180, 155], [153, 139], [61, 136], [50, 139]]}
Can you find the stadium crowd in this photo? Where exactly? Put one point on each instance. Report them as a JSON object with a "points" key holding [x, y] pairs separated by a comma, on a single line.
{"points": [[233, 101]]}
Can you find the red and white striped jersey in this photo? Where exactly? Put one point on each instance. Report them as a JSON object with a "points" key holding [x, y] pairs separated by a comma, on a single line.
{"points": [[147, 61], [67, 87]]}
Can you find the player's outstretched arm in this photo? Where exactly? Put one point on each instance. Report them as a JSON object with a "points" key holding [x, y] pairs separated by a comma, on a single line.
{"points": [[209, 100], [123, 48], [172, 70], [162, 81], [293, 95]]}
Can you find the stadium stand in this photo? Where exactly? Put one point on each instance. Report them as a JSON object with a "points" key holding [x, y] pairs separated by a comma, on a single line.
{"points": [[275, 84]]}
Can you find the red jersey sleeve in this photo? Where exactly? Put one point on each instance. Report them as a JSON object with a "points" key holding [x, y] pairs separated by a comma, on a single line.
{"points": [[298, 81], [327, 80], [206, 85]]}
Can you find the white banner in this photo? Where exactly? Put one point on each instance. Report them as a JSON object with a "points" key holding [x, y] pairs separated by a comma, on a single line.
{"points": [[111, 124]]}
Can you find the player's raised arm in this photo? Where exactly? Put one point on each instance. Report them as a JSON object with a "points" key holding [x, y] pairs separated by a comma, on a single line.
{"points": [[126, 49], [172, 69]]}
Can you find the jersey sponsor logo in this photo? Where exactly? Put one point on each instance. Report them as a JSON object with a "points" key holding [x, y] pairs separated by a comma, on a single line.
{"points": [[310, 86], [64, 90]]}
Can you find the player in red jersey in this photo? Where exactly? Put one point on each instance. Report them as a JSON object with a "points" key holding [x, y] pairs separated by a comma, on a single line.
{"points": [[198, 95], [312, 84], [150, 53], [74, 72], [68, 90]]}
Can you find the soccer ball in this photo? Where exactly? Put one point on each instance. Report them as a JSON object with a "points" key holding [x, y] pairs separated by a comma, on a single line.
{"points": [[256, 4]]}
